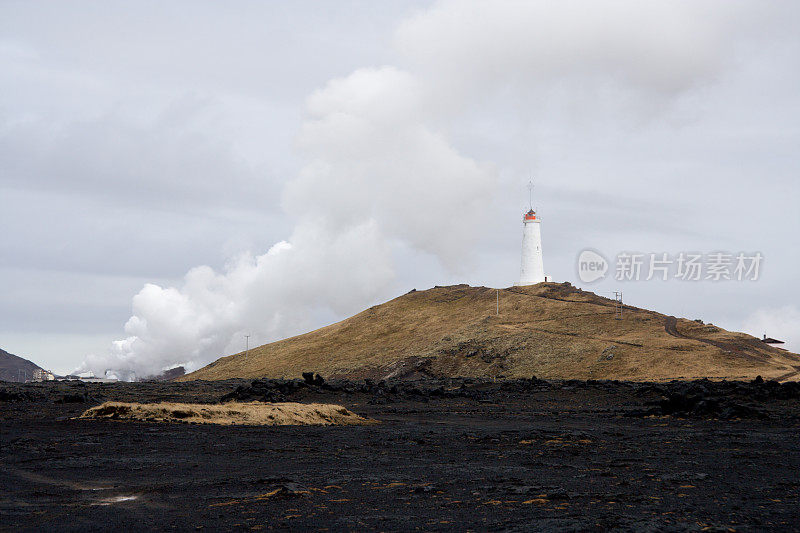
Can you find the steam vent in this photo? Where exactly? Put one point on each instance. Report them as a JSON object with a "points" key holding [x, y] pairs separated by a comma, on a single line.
{"points": [[532, 266]]}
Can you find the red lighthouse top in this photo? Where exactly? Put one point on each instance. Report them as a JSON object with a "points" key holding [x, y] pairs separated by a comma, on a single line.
{"points": [[530, 215]]}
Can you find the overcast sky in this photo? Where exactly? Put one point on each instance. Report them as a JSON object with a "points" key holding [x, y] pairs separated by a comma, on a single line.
{"points": [[176, 175]]}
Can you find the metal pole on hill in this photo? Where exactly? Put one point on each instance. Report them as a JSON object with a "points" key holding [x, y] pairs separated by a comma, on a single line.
{"points": [[247, 345], [618, 305], [498, 301]]}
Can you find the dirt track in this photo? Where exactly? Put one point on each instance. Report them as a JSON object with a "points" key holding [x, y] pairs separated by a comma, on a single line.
{"points": [[448, 455], [671, 327]]}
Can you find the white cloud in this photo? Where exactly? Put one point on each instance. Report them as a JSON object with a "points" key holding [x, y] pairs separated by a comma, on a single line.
{"points": [[167, 159], [655, 46]]}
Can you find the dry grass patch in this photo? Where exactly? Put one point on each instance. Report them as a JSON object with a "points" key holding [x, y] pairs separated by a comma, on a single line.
{"points": [[233, 413]]}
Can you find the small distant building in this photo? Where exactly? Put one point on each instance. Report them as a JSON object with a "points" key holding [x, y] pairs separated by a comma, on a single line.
{"points": [[770, 340], [88, 379], [41, 374]]}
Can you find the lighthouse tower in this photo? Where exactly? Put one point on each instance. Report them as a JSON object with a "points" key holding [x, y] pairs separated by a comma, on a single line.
{"points": [[532, 265]]}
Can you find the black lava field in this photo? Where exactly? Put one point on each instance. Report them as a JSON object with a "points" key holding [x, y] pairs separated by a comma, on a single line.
{"points": [[522, 455]]}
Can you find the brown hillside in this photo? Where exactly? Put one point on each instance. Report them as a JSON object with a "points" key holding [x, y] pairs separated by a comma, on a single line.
{"points": [[548, 330]]}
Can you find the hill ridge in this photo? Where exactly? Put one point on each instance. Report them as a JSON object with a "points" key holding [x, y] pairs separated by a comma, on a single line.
{"points": [[15, 368], [550, 330]]}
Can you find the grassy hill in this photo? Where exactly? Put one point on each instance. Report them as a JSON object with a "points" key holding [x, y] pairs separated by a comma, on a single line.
{"points": [[548, 330]]}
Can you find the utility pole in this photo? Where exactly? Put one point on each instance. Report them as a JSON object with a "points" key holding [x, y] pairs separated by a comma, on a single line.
{"points": [[247, 345]]}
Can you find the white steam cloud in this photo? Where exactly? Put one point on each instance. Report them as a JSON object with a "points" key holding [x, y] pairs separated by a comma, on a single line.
{"points": [[371, 162], [267, 296], [372, 156], [380, 171]]}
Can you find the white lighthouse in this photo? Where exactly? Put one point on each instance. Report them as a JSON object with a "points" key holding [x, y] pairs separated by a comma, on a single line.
{"points": [[532, 266]]}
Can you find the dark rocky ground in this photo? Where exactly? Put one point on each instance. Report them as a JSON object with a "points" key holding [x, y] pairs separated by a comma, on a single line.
{"points": [[447, 455]]}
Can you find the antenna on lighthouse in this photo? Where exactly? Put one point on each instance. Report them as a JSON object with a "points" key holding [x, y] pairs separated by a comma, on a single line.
{"points": [[530, 194]]}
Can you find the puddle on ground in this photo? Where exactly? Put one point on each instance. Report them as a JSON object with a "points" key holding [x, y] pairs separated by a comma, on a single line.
{"points": [[116, 499]]}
